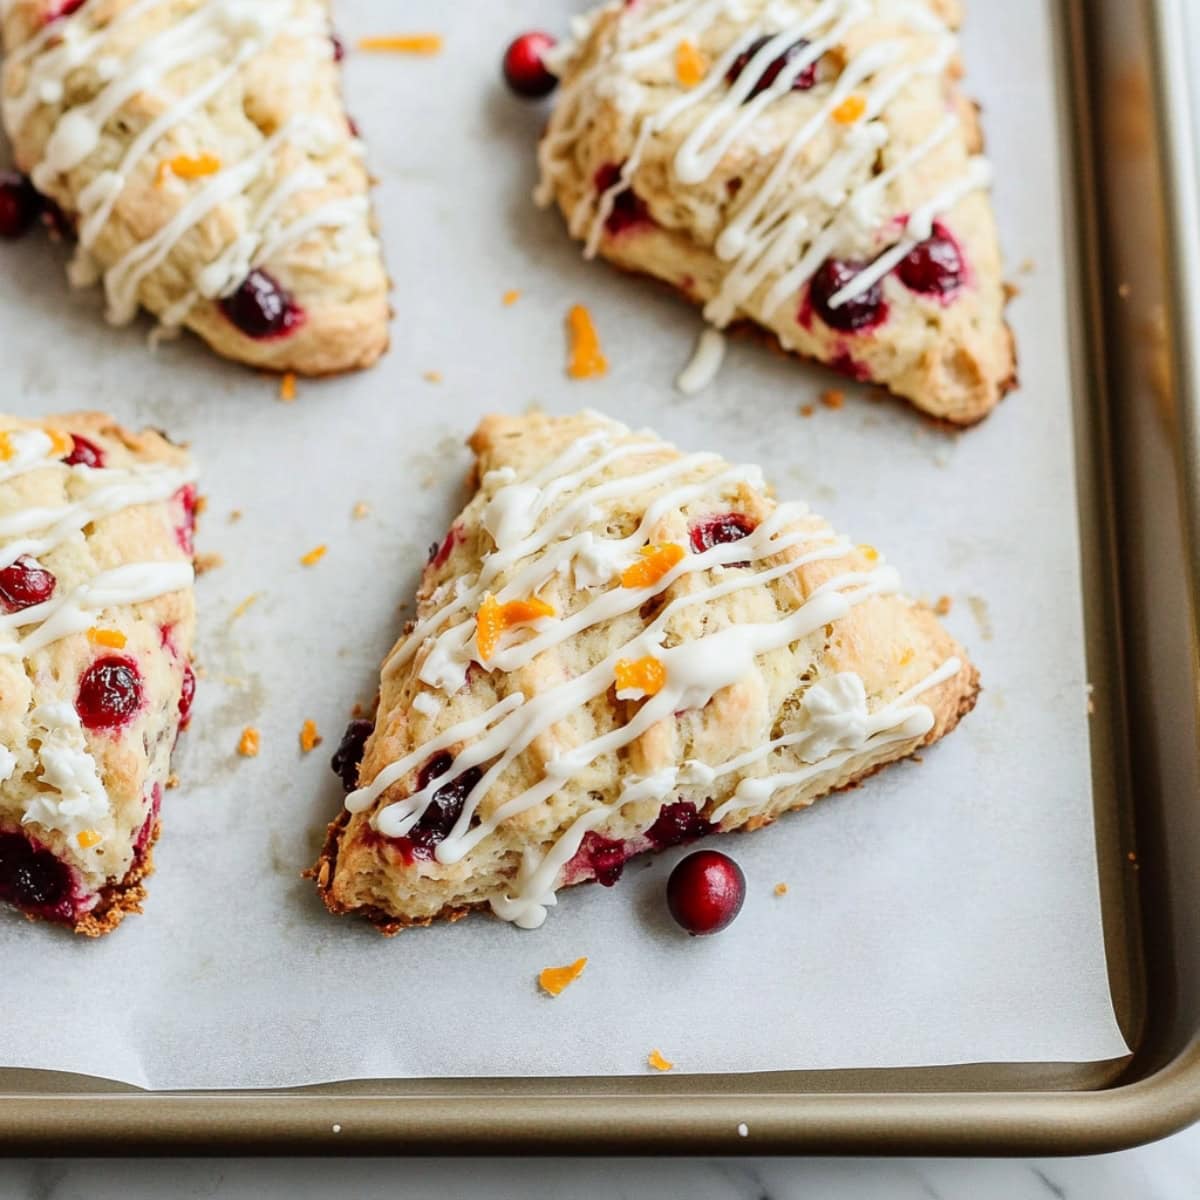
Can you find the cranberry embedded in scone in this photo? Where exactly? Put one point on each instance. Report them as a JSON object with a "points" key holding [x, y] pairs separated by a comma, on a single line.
{"points": [[856, 313], [84, 453], [262, 308], [19, 204], [935, 267], [33, 879], [801, 83], [110, 693], [721, 529], [628, 210], [24, 584]]}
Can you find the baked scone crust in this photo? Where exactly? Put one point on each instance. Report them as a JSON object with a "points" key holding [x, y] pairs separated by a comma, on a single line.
{"points": [[879, 659], [626, 157], [235, 155], [84, 796]]}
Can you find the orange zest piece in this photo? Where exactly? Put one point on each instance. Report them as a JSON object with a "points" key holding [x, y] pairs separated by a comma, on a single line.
{"points": [[310, 739], [906, 657], [113, 638], [644, 675], [287, 387], [691, 65], [494, 618], [314, 556], [403, 43], [833, 398], [7, 449], [586, 359], [88, 838], [555, 980], [655, 562], [781, 889], [851, 109], [248, 745], [185, 166], [510, 297], [61, 444], [656, 1060], [869, 553]]}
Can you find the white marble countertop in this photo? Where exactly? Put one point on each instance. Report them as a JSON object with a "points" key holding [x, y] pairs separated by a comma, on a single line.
{"points": [[1169, 1170]]}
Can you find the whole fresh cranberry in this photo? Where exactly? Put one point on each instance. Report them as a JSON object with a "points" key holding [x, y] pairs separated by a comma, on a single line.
{"points": [[19, 204], [350, 752], [935, 266], [24, 584], [262, 308], [801, 83], [525, 66], [855, 314], [705, 892], [110, 692]]}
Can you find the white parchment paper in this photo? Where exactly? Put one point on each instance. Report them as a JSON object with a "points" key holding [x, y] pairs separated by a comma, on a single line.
{"points": [[945, 912]]}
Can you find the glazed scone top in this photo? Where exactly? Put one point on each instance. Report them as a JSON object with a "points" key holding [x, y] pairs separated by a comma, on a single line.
{"points": [[602, 629], [115, 542], [193, 141], [848, 150]]}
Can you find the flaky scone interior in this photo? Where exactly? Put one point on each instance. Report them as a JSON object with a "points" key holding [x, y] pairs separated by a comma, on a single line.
{"points": [[96, 627], [809, 167], [620, 647], [201, 152]]}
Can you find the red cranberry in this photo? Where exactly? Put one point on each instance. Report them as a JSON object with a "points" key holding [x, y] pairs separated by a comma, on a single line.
{"points": [[24, 584], [187, 695], [262, 308], [19, 204], [185, 532], [934, 267], [339, 47], [855, 314], [628, 210], [706, 891], [444, 808], [58, 225], [605, 856], [350, 752], [147, 830], [64, 8], [110, 692], [801, 83], [84, 453], [675, 824], [32, 878], [525, 67], [438, 554], [716, 531]]}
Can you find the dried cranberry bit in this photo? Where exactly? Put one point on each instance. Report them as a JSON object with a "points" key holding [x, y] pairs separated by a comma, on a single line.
{"points": [[84, 453], [855, 314], [628, 210], [19, 204], [705, 892], [719, 530], [110, 693], [676, 824], [262, 308], [525, 65], [935, 266], [24, 584], [187, 696], [350, 753], [32, 878], [339, 47], [801, 83]]}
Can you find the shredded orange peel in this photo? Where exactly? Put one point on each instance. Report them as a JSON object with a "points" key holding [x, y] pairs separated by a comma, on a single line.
{"points": [[494, 618], [655, 562], [61, 444], [869, 553], [639, 677], [403, 43], [851, 109], [555, 980], [314, 556], [287, 387], [586, 360], [7, 449], [310, 739], [691, 64], [249, 743], [187, 166], [88, 838], [656, 1060], [510, 297], [112, 638]]}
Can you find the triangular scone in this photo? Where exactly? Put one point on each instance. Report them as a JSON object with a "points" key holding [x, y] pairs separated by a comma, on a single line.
{"points": [[201, 151], [618, 648], [96, 626], [810, 167]]}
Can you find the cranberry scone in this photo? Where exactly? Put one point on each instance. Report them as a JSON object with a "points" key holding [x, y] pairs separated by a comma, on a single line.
{"points": [[96, 626], [201, 151], [808, 167], [620, 647]]}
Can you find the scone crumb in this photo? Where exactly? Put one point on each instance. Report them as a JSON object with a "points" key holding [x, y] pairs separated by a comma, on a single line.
{"points": [[200, 505], [310, 739], [943, 605], [807, 410], [403, 43], [432, 376], [245, 606], [114, 639], [833, 398], [314, 556], [639, 677], [249, 743], [494, 618], [88, 838], [691, 64], [360, 510], [555, 980], [851, 109], [235, 515], [655, 562], [585, 360], [510, 297], [287, 387], [208, 562], [172, 782], [656, 1060], [781, 889]]}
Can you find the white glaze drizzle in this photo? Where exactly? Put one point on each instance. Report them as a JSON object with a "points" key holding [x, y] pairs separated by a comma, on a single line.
{"points": [[695, 670], [783, 230], [705, 363]]}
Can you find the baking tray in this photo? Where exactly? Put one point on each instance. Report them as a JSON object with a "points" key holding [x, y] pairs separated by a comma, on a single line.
{"points": [[1132, 228]]}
